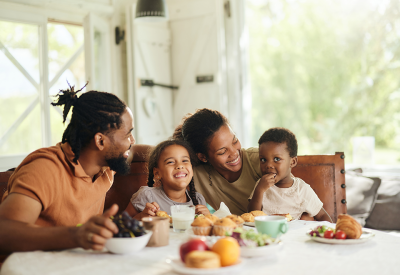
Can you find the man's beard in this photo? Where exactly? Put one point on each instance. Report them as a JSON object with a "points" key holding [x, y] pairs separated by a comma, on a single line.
{"points": [[119, 165]]}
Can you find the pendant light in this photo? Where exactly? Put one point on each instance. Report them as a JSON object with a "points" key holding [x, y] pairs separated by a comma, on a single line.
{"points": [[151, 10]]}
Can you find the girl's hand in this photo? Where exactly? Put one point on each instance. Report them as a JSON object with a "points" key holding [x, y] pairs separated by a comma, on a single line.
{"points": [[202, 209], [266, 182], [150, 209]]}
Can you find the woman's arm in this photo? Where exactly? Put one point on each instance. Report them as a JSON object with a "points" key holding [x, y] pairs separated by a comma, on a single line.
{"points": [[323, 216], [306, 217]]}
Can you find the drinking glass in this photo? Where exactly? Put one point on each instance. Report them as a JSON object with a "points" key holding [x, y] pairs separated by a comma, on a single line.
{"points": [[182, 217]]}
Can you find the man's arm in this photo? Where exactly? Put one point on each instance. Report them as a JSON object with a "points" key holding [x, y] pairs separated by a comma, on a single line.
{"points": [[18, 232]]}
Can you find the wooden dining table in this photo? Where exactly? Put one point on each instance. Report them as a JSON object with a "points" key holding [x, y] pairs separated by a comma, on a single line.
{"points": [[298, 254]]}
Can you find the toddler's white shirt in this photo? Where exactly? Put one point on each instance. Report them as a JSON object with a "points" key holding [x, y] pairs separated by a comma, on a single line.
{"points": [[295, 200]]}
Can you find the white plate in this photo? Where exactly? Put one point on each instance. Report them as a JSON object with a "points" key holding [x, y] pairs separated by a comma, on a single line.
{"points": [[365, 236], [261, 251], [179, 267], [250, 224]]}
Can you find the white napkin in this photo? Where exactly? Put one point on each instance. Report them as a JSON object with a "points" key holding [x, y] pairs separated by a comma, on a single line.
{"points": [[223, 211]]}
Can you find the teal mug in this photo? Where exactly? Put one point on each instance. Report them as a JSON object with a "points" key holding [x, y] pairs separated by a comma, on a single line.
{"points": [[273, 226]]}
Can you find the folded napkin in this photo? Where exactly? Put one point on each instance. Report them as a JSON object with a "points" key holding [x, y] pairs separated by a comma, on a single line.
{"points": [[223, 211]]}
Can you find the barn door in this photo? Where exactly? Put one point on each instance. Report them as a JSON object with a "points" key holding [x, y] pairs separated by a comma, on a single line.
{"points": [[149, 46], [198, 55]]}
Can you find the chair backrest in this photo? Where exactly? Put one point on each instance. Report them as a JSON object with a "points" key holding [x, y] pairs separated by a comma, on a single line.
{"points": [[124, 186], [325, 175], [4, 176]]}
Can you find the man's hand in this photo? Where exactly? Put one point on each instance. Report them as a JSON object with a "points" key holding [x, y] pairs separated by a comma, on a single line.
{"points": [[95, 232], [266, 182], [150, 209], [202, 209]]}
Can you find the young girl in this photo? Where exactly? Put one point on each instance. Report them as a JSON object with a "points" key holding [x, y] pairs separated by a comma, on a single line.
{"points": [[170, 173], [278, 191]]}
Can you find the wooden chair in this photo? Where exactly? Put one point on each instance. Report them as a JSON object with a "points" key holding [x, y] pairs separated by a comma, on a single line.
{"points": [[325, 175], [124, 186]]}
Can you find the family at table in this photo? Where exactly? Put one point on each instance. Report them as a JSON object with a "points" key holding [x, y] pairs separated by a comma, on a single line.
{"points": [[55, 197]]}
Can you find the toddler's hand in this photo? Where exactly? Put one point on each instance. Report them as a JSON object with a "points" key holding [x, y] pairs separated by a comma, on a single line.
{"points": [[202, 209], [266, 182], [150, 209]]}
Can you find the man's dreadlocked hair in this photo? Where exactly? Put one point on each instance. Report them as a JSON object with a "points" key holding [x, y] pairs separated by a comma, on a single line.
{"points": [[155, 156], [93, 112]]}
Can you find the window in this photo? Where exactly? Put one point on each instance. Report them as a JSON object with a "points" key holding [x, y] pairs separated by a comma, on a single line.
{"points": [[37, 59], [328, 71]]}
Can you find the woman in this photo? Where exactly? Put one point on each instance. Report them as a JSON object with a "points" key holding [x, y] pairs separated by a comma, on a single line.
{"points": [[227, 172]]}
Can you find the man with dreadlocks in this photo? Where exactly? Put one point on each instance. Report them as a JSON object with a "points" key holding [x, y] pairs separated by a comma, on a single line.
{"points": [[54, 189]]}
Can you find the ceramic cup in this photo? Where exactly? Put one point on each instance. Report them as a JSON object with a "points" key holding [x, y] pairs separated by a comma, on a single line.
{"points": [[160, 228], [182, 217], [273, 226]]}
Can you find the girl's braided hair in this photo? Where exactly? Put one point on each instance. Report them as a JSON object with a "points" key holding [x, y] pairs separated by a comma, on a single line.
{"points": [[93, 112], [155, 156]]}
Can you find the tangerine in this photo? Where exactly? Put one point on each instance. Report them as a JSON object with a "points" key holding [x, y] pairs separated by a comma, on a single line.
{"points": [[228, 249]]}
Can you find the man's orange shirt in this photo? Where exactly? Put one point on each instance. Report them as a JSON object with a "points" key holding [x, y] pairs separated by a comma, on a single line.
{"points": [[67, 194]]}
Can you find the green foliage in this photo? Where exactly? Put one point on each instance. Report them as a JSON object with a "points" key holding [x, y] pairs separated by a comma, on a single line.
{"points": [[327, 70]]}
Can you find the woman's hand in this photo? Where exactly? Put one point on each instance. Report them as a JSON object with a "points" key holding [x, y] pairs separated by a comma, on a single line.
{"points": [[150, 210], [202, 209], [95, 232]]}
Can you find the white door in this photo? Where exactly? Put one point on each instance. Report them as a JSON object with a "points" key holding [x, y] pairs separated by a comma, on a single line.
{"points": [[97, 53], [198, 55], [149, 58]]}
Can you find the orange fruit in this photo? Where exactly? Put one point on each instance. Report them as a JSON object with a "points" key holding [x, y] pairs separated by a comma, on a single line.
{"points": [[228, 249]]}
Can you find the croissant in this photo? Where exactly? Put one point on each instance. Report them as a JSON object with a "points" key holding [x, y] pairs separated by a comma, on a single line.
{"points": [[349, 225]]}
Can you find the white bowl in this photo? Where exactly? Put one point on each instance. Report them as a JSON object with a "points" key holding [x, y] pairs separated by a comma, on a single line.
{"points": [[261, 251], [127, 245]]}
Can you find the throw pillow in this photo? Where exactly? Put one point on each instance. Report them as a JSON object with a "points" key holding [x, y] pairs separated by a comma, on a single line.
{"points": [[386, 212], [361, 193]]}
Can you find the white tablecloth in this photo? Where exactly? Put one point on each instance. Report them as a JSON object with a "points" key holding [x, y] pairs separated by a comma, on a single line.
{"points": [[298, 255]]}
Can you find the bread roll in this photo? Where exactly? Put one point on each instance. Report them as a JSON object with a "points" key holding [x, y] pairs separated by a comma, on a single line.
{"points": [[349, 225], [164, 214], [256, 213], [247, 217], [287, 216], [202, 259]]}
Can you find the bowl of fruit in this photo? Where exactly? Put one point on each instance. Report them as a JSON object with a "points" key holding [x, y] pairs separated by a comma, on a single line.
{"points": [[131, 236]]}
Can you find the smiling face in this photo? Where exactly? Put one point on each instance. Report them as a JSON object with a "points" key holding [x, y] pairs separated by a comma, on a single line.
{"points": [[174, 168], [224, 153], [275, 159], [121, 141]]}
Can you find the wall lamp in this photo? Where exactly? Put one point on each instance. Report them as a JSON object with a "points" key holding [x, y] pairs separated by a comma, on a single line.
{"points": [[150, 83], [151, 10]]}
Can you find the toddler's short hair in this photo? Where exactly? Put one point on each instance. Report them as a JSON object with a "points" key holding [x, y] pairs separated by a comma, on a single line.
{"points": [[281, 135]]}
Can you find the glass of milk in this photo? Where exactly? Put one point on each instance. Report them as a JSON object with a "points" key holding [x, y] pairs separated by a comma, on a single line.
{"points": [[182, 217]]}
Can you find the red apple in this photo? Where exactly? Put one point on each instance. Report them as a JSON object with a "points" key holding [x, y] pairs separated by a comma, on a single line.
{"points": [[195, 244]]}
